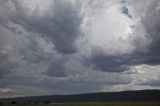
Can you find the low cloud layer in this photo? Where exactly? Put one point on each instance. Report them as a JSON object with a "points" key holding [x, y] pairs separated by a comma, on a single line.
{"points": [[75, 46]]}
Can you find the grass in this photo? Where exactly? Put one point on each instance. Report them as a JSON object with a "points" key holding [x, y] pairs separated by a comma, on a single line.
{"points": [[94, 104]]}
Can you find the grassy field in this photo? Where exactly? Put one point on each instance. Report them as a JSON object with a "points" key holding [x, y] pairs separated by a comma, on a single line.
{"points": [[95, 104]]}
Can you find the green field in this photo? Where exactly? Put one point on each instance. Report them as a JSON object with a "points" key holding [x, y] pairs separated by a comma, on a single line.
{"points": [[95, 104]]}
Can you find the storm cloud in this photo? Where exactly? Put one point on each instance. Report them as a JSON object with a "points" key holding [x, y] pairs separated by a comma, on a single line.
{"points": [[75, 46]]}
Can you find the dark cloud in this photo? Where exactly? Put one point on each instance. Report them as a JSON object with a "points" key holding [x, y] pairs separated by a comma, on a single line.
{"points": [[149, 55], [126, 11], [121, 63], [63, 28], [56, 68], [109, 63], [154, 83], [5, 66], [39, 50]]}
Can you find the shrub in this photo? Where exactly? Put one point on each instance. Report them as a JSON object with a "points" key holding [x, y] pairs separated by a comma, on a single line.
{"points": [[36, 102], [29, 102], [1, 103], [47, 102], [13, 102]]}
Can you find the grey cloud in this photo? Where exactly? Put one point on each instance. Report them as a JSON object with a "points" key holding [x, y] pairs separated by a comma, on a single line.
{"points": [[27, 59], [59, 68], [121, 63], [149, 55], [63, 28], [56, 68], [154, 83], [5, 66], [67, 87], [151, 24], [126, 11], [109, 63]]}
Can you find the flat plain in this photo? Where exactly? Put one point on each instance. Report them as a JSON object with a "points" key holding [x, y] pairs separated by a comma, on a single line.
{"points": [[93, 104]]}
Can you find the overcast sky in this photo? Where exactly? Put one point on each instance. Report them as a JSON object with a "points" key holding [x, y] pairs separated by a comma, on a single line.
{"points": [[78, 46]]}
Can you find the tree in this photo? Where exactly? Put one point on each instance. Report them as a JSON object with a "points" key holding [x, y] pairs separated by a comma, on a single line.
{"points": [[1, 103], [36, 102], [13, 102], [47, 102], [29, 102]]}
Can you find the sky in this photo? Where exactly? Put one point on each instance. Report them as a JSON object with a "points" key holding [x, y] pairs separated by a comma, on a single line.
{"points": [[78, 46]]}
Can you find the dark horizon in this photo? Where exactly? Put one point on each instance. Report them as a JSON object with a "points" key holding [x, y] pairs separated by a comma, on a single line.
{"points": [[124, 96], [81, 93]]}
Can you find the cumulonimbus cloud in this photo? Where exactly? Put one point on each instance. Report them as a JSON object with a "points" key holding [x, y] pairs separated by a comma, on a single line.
{"points": [[86, 45]]}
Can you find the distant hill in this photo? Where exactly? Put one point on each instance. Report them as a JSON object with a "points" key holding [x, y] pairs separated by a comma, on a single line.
{"points": [[124, 96]]}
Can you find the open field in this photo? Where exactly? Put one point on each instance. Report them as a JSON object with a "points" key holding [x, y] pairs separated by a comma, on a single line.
{"points": [[94, 104]]}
